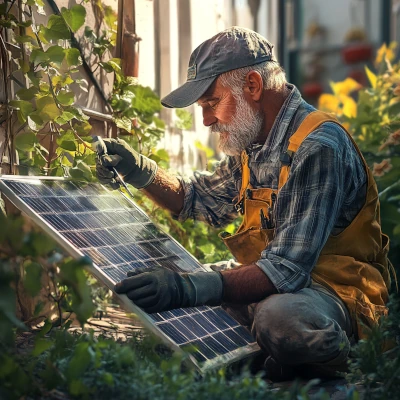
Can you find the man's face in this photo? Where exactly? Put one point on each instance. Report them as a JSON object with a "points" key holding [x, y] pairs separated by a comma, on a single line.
{"points": [[230, 115]]}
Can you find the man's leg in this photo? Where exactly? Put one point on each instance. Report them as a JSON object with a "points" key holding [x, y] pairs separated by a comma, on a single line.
{"points": [[311, 326]]}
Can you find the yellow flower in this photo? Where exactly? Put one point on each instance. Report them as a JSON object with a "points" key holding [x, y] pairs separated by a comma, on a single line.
{"points": [[349, 106], [329, 103], [340, 104], [345, 87], [385, 52]]}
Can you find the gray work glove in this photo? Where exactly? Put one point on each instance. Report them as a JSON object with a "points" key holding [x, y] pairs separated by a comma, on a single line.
{"points": [[159, 289], [135, 168]]}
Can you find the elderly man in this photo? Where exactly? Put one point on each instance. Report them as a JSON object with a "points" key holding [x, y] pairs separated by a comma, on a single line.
{"points": [[313, 270]]}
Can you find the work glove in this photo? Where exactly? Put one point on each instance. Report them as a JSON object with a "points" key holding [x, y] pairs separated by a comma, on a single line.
{"points": [[134, 168], [157, 289]]}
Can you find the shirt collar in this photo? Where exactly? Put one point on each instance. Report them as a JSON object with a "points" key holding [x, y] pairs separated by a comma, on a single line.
{"points": [[279, 129]]}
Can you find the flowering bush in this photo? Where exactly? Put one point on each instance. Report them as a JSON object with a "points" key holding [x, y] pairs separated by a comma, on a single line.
{"points": [[372, 116]]}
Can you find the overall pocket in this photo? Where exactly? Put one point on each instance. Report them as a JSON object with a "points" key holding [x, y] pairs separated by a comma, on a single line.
{"points": [[247, 245]]}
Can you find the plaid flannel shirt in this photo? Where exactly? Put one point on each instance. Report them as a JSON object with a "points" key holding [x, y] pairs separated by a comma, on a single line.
{"points": [[325, 191]]}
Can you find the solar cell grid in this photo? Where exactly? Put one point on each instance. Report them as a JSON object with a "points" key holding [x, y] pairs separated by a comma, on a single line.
{"points": [[120, 238]]}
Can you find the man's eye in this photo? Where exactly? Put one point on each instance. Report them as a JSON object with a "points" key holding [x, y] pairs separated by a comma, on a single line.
{"points": [[212, 104]]}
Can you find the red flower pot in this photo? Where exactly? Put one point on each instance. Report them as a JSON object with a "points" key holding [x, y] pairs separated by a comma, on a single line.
{"points": [[355, 53], [312, 89]]}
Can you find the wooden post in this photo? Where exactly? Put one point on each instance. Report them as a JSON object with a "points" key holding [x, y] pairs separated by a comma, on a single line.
{"points": [[127, 39]]}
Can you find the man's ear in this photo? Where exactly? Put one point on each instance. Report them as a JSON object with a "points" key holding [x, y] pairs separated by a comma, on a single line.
{"points": [[254, 85]]}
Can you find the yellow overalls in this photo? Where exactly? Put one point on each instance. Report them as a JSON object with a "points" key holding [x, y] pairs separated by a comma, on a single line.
{"points": [[353, 264]]}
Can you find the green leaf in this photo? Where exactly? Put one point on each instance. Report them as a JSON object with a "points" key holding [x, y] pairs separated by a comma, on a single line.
{"points": [[73, 57], [24, 65], [34, 122], [110, 17], [64, 117], [42, 244], [72, 274], [89, 33], [35, 77], [108, 379], [55, 54], [123, 123], [41, 345], [7, 307], [68, 145], [113, 65], [25, 141], [78, 113], [8, 366], [35, 117], [33, 277], [27, 94], [81, 171], [47, 108], [7, 23], [74, 17], [159, 123], [38, 308], [24, 108], [45, 329], [83, 128], [61, 81], [396, 230], [145, 102], [208, 249], [207, 150], [185, 119], [24, 39], [163, 154], [38, 56], [80, 361], [56, 29], [25, 24], [66, 98], [78, 388]]}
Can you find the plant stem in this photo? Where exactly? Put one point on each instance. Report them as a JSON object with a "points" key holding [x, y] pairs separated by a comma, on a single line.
{"points": [[51, 151], [389, 188]]}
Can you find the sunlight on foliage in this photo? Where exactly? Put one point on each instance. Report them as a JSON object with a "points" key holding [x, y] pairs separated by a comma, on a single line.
{"points": [[372, 115]]}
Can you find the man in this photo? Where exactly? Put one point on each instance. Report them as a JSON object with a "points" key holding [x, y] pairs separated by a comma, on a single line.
{"points": [[313, 259]]}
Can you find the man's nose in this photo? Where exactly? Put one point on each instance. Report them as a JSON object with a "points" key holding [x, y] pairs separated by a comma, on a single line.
{"points": [[209, 118]]}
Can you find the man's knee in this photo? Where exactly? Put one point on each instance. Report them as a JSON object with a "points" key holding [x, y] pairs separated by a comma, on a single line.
{"points": [[288, 328], [276, 325]]}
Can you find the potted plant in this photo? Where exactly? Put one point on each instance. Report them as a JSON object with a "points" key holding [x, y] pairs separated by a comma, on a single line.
{"points": [[358, 48]]}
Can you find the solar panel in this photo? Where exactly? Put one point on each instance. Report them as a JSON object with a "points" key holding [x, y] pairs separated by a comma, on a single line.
{"points": [[88, 219]]}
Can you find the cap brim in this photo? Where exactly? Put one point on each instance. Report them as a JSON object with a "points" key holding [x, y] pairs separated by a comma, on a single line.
{"points": [[187, 94]]}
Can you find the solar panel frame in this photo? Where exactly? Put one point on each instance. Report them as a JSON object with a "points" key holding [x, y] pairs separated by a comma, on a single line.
{"points": [[192, 359]]}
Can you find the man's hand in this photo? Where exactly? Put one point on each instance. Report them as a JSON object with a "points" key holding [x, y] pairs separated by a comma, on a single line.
{"points": [[159, 289], [135, 168]]}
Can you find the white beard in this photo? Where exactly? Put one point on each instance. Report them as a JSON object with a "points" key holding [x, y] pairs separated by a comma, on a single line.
{"points": [[242, 131]]}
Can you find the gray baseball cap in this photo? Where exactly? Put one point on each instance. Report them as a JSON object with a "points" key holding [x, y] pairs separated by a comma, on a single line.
{"points": [[230, 49]]}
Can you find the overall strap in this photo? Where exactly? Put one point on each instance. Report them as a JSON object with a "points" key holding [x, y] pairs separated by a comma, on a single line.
{"points": [[245, 173], [309, 124]]}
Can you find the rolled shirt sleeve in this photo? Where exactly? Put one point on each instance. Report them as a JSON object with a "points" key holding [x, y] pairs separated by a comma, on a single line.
{"points": [[307, 208], [209, 196]]}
